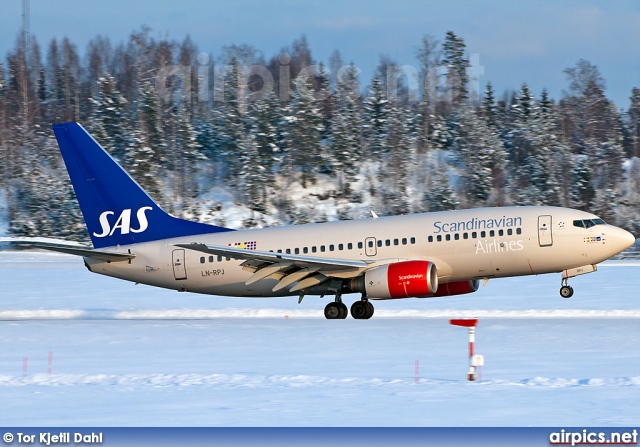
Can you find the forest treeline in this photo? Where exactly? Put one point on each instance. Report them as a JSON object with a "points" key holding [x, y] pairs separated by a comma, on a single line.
{"points": [[184, 123]]}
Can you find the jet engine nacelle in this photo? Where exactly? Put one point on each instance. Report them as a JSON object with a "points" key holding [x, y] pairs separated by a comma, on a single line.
{"points": [[457, 288], [401, 280]]}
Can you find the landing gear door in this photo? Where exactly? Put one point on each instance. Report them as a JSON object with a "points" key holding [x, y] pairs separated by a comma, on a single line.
{"points": [[545, 236], [179, 270]]}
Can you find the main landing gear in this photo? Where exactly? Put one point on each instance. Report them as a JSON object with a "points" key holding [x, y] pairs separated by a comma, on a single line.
{"points": [[360, 310], [336, 310], [566, 291]]}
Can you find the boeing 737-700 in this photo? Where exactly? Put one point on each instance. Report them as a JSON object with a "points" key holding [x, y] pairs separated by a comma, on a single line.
{"points": [[421, 255]]}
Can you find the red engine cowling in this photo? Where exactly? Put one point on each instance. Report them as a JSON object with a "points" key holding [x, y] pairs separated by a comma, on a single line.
{"points": [[402, 280], [458, 288]]}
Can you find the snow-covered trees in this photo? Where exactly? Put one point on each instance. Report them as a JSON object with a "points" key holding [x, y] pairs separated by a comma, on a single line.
{"points": [[305, 144]]}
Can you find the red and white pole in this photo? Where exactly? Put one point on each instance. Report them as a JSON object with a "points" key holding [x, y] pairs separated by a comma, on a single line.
{"points": [[471, 325], [472, 339]]}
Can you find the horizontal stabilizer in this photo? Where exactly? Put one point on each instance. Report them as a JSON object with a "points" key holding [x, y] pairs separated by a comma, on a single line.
{"points": [[71, 249]]}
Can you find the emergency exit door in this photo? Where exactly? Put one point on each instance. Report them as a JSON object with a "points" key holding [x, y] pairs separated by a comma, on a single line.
{"points": [[545, 236]]}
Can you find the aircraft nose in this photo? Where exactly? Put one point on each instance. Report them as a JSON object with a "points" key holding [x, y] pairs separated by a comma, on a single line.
{"points": [[621, 240]]}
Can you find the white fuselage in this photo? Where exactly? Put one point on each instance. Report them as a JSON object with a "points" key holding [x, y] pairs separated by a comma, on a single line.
{"points": [[463, 244]]}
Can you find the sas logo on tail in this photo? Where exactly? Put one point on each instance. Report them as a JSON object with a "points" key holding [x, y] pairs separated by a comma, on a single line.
{"points": [[123, 222]]}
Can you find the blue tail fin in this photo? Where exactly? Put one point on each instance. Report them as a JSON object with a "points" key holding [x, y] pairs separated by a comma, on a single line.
{"points": [[116, 210]]}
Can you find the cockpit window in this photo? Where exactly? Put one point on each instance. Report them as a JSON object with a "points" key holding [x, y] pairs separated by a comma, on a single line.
{"points": [[588, 223]]}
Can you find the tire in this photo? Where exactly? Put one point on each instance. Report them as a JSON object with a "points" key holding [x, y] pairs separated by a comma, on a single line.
{"points": [[344, 311], [359, 310], [370, 310], [566, 291], [332, 311]]}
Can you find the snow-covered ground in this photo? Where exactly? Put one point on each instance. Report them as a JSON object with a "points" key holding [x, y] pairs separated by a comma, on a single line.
{"points": [[134, 355]]}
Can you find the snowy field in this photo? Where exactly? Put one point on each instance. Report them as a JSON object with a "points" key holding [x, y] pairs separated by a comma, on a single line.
{"points": [[127, 355]]}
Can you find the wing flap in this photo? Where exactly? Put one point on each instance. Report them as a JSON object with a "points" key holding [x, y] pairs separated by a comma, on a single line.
{"points": [[287, 269], [268, 256]]}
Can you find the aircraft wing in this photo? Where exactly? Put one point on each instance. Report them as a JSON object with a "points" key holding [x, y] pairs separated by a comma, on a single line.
{"points": [[306, 271], [71, 249]]}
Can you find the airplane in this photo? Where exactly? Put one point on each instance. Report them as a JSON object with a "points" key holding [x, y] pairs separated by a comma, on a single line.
{"points": [[426, 255]]}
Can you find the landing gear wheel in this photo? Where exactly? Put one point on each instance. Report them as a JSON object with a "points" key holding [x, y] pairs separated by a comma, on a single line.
{"points": [[334, 311], [362, 310], [344, 311], [370, 310], [566, 291]]}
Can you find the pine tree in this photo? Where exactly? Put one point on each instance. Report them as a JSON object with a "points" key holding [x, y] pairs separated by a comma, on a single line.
{"points": [[347, 130], [441, 196], [265, 116], [150, 121], [456, 62], [376, 120], [109, 122], [482, 156], [489, 108], [303, 136], [581, 192], [397, 165]]}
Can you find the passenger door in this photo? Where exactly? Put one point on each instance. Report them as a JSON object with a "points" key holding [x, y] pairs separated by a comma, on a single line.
{"points": [[179, 269]]}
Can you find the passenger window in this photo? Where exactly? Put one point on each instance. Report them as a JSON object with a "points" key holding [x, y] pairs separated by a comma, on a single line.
{"points": [[500, 232], [202, 260], [210, 258], [483, 234], [314, 249], [331, 247], [404, 241], [322, 249], [228, 258], [340, 246], [360, 245], [387, 242], [457, 236], [439, 238], [518, 230], [448, 237], [465, 236], [350, 246], [474, 235], [305, 250], [492, 233], [279, 251], [396, 242], [220, 257], [288, 251], [509, 232], [430, 238], [413, 240], [370, 244], [379, 242], [297, 251]]}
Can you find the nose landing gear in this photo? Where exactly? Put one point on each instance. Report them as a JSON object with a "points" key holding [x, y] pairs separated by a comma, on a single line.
{"points": [[566, 291]]}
